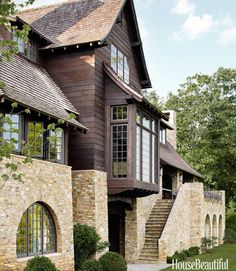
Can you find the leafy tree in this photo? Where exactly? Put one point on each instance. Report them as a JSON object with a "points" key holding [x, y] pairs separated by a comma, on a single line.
{"points": [[206, 127], [154, 98]]}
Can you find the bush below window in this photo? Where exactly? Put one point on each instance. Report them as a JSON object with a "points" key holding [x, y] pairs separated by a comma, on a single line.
{"points": [[40, 264], [181, 256]]}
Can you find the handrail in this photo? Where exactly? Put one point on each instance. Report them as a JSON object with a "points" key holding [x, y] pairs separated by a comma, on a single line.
{"points": [[213, 195]]}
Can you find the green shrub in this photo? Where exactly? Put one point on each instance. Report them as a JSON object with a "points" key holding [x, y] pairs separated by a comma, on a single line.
{"points": [[230, 236], [86, 243], [179, 256], [91, 265], [192, 251], [112, 261], [40, 264]]}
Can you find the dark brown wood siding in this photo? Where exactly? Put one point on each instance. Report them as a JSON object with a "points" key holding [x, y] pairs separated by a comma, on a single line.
{"points": [[75, 75]]}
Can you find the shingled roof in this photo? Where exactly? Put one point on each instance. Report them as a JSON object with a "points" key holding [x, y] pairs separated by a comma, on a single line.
{"points": [[74, 21], [31, 86], [171, 157]]}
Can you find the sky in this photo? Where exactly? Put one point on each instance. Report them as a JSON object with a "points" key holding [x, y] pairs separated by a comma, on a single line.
{"points": [[184, 37]]}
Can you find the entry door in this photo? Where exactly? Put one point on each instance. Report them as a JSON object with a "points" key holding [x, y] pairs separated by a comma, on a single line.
{"points": [[114, 233]]}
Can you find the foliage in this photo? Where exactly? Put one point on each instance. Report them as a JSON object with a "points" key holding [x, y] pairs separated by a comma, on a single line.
{"points": [[154, 98], [40, 263], [86, 242], [112, 261], [208, 243], [206, 127], [230, 225], [226, 251], [181, 256], [91, 265]]}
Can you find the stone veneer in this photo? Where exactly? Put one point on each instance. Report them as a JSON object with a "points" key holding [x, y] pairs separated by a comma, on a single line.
{"points": [[44, 182], [90, 200], [186, 223]]}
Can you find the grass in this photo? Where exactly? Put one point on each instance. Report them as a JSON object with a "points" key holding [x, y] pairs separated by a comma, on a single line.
{"points": [[226, 251]]}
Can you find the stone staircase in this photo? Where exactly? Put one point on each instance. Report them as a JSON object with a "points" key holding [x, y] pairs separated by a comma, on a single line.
{"points": [[154, 227]]}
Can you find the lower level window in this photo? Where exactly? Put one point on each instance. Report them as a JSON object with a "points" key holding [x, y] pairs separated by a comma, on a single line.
{"points": [[119, 151], [36, 233]]}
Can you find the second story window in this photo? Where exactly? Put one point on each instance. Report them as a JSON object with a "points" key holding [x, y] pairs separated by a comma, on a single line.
{"points": [[163, 135], [35, 138], [119, 129], [28, 49], [120, 64], [11, 130], [56, 146]]}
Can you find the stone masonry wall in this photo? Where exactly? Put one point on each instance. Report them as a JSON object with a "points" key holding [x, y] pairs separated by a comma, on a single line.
{"points": [[135, 222], [185, 225], [44, 182], [90, 200]]}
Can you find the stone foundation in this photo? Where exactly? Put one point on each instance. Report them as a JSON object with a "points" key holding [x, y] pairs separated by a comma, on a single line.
{"points": [[186, 223], [44, 182], [90, 200]]}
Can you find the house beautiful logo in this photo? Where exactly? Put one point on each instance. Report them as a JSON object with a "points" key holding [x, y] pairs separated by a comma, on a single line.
{"points": [[217, 264]]}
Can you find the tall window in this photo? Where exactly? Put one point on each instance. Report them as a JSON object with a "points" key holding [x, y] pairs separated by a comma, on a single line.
{"points": [[28, 49], [119, 142], [11, 130], [146, 148], [36, 233], [56, 146], [35, 138], [120, 63], [163, 135]]}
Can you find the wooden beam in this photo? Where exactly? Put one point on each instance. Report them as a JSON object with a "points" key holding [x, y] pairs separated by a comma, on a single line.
{"points": [[136, 43]]}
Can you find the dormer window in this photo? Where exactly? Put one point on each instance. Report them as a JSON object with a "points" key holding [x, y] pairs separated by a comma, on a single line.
{"points": [[28, 49], [163, 135], [120, 63]]}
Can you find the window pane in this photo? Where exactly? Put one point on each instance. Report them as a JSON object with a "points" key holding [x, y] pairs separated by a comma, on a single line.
{"points": [[154, 158], [12, 130], [146, 121], [138, 153], [120, 64], [114, 58], [119, 146], [38, 230], [35, 138], [119, 112], [138, 117], [56, 147], [146, 156], [126, 70]]}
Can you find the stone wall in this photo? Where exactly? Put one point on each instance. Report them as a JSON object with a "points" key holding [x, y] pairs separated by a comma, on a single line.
{"points": [[90, 200], [186, 223], [44, 182], [135, 222]]}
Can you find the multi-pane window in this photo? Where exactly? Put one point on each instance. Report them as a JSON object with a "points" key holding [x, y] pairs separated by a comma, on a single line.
{"points": [[56, 145], [35, 138], [163, 135], [28, 49], [11, 130], [36, 233], [119, 113], [146, 148], [120, 63], [119, 141]]}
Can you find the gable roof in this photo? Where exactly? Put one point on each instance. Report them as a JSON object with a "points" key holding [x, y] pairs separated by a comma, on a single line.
{"points": [[32, 86], [171, 157], [75, 22]]}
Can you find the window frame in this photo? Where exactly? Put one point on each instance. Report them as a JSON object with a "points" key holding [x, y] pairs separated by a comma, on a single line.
{"points": [[62, 148], [118, 122], [153, 133], [42, 138], [125, 64], [41, 230]]}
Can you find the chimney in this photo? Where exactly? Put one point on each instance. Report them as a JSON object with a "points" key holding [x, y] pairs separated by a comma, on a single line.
{"points": [[171, 134]]}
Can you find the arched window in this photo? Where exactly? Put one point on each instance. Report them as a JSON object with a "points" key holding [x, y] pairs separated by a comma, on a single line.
{"points": [[36, 232]]}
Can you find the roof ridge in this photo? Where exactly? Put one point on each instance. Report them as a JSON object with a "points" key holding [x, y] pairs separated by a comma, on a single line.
{"points": [[44, 6]]}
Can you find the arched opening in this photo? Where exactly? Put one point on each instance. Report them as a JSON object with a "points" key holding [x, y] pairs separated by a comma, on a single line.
{"points": [[167, 187], [220, 230], [36, 234], [207, 227], [214, 230]]}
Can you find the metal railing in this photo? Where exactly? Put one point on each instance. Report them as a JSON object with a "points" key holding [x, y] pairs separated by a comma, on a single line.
{"points": [[213, 195]]}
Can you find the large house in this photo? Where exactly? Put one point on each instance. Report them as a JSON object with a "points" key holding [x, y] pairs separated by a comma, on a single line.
{"points": [[115, 166]]}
